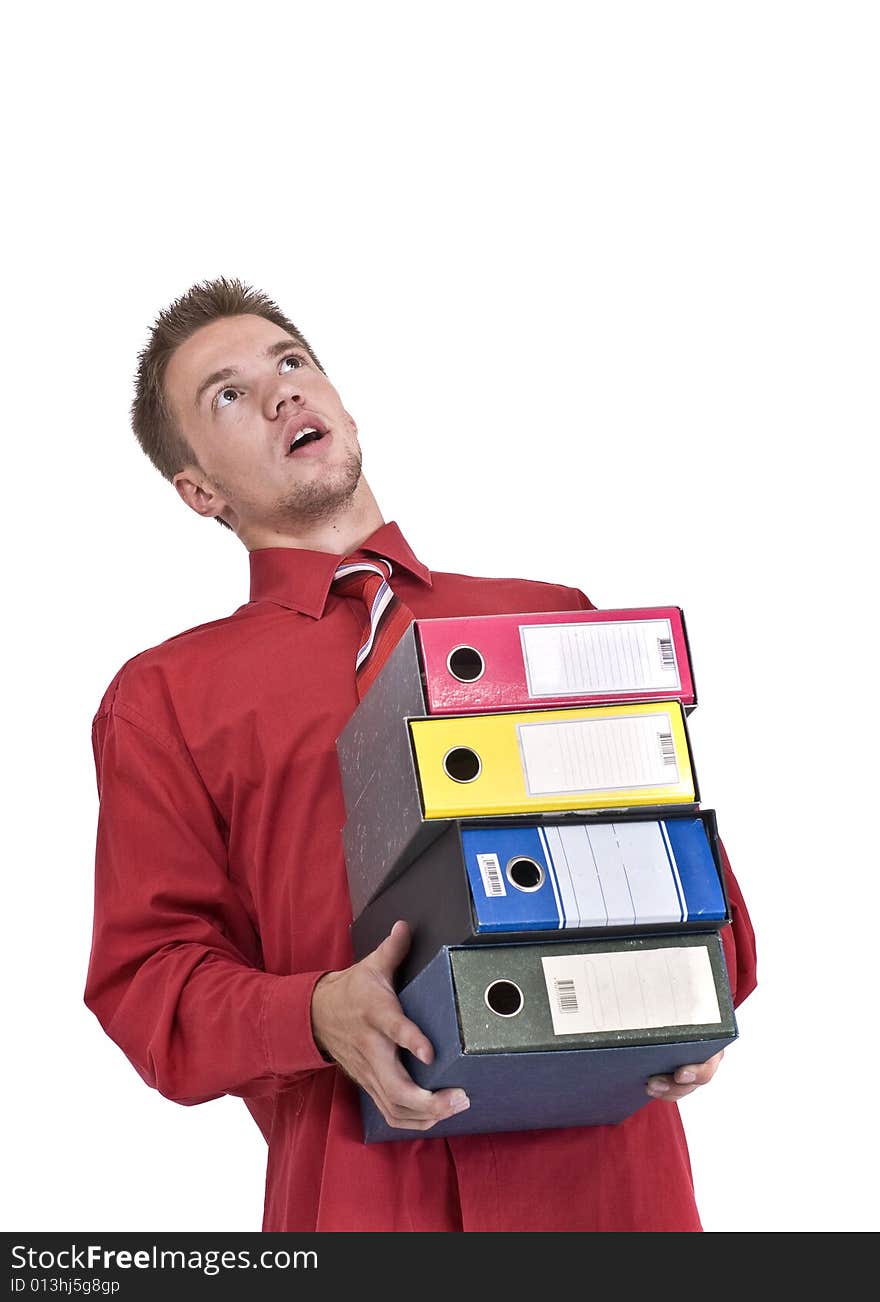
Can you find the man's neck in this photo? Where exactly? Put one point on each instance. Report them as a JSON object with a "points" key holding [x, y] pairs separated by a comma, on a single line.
{"points": [[340, 534]]}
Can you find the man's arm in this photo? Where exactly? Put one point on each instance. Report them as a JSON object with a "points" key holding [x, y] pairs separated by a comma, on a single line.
{"points": [[175, 975]]}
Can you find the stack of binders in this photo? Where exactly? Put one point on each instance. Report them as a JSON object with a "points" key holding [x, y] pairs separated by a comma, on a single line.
{"points": [[521, 789]]}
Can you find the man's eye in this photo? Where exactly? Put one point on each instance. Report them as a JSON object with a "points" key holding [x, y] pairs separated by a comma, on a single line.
{"points": [[296, 361], [226, 396]]}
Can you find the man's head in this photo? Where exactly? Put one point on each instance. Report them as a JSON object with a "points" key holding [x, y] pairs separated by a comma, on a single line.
{"points": [[223, 387]]}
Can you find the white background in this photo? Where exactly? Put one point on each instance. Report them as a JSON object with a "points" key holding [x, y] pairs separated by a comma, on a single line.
{"points": [[599, 283]]}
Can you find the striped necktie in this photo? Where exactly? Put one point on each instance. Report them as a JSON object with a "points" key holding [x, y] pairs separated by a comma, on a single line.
{"points": [[386, 618]]}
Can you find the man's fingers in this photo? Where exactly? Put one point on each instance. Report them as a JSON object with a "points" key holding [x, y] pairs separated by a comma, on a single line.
{"points": [[698, 1073], [404, 1033], [377, 1067], [404, 1104], [703, 1071], [444, 1104], [386, 1016], [684, 1080]]}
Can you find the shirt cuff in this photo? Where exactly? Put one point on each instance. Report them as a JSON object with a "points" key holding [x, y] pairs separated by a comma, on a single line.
{"points": [[287, 1025]]}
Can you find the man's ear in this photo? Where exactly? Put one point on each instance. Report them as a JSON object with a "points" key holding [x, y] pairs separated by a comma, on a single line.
{"points": [[198, 492]]}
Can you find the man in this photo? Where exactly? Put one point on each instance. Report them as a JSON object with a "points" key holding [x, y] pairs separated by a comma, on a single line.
{"points": [[221, 960]]}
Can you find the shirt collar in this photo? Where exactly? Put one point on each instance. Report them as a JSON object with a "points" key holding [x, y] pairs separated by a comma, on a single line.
{"points": [[300, 579]]}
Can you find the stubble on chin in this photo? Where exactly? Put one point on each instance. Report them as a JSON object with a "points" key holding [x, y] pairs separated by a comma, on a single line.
{"points": [[321, 499]]}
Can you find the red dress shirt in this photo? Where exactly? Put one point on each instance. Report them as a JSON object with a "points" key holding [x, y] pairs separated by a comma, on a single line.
{"points": [[221, 898]]}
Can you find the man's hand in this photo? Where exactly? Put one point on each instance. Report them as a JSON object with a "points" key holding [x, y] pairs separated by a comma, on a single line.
{"points": [[357, 1019], [684, 1080]]}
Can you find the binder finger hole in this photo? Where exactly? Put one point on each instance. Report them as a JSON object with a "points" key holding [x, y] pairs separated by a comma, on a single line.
{"points": [[525, 874], [461, 764], [466, 664], [504, 998]]}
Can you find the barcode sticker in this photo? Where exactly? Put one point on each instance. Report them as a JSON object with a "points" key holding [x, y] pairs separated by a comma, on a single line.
{"points": [[493, 878], [566, 996], [667, 747], [667, 652]]}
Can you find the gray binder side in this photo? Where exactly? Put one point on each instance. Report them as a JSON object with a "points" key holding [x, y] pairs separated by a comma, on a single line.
{"points": [[384, 827]]}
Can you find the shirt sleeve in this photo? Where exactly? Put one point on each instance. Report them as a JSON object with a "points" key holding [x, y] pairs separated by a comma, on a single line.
{"points": [[175, 974], [738, 938]]}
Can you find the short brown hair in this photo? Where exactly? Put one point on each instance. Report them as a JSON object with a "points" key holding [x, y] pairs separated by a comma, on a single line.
{"points": [[209, 300]]}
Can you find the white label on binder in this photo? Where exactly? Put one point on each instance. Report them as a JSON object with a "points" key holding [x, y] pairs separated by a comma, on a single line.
{"points": [[493, 878], [566, 756], [613, 874], [614, 656], [630, 990]]}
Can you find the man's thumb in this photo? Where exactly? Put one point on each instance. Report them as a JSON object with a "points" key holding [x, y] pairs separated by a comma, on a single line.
{"points": [[393, 948]]}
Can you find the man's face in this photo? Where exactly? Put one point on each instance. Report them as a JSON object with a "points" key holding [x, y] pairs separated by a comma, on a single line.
{"points": [[276, 448]]}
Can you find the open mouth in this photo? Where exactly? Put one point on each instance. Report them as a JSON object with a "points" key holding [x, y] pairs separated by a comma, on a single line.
{"points": [[309, 434]]}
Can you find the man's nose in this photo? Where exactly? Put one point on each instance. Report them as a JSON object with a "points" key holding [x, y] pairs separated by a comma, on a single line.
{"points": [[284, 391]]}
